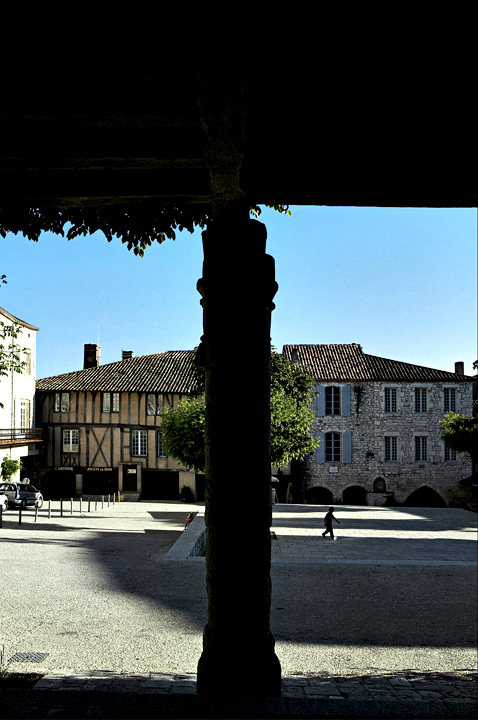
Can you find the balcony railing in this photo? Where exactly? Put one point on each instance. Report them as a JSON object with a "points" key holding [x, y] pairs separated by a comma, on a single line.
{"points": [[20, 436]]}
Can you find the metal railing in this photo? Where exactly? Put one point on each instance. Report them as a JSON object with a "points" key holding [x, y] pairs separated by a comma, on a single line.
{"points": [[91, 504], [20, 434]]}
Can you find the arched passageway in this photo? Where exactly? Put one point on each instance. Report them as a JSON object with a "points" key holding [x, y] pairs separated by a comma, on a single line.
{"points": [[425, 497], [354, 495], [319, 496]]}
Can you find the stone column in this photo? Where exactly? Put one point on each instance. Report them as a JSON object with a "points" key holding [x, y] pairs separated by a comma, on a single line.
{"points": [[237, 288]]}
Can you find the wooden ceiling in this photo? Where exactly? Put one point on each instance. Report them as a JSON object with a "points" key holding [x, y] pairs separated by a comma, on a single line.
{"points": [[80, 130]]}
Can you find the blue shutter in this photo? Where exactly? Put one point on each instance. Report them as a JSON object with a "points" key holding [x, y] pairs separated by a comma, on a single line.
{"points": [[320, 451], [346, 400], [347, 447], [320, 400]]}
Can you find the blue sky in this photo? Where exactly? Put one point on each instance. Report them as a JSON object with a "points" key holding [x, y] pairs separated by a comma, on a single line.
{"points": [[401, 282]]}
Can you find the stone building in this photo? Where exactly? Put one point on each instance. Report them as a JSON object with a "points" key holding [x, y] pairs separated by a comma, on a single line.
{"points": [[377, 421], [102, 427], [18, 436]]}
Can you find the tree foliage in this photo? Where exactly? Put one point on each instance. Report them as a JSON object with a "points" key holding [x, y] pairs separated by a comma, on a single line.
{"points": [[137, 225], [292, 395], [291, 418], [182, 431], [9, 467], [460, 433]]}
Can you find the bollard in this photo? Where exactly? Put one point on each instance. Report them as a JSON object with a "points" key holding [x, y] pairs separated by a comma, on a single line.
{"points": [[61, 507], [102, 501], [20, 515], [114, 499], [71, 505], [96, 502], [108, 500], [119, 497], [49, 509], [89, 503], [81, 505], [36, 513]]}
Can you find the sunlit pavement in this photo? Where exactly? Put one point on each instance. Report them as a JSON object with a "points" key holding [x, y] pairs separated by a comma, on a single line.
{"points": [[355, 637], [423, 536]]}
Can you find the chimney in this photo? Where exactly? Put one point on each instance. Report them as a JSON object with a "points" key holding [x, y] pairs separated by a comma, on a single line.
{"points": [[126, 354], [92, 356], [460, 368]]}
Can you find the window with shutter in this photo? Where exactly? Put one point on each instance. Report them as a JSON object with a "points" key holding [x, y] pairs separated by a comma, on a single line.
{"points": [[332, 401], [332, 447], [320, 389]]}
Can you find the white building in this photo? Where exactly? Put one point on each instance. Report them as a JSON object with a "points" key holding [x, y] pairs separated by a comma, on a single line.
{"points": [[17, 389]]}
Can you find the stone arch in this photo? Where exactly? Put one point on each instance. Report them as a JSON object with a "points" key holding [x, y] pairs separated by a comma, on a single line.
{"points": [[354, 495], [319, 496], [379, 485], [425, 497]]}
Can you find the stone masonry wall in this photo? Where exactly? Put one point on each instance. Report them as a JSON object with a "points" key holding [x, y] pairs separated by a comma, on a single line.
{"points": [[369, 424]]}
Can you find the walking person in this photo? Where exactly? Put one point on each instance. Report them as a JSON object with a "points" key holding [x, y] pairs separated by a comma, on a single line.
{"points": [[328, 523]]}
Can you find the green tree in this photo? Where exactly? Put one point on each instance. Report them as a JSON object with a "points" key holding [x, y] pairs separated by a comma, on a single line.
{"points": [[182, 431], [292, 393], [138, 226], [9, 468], [460, 433]]}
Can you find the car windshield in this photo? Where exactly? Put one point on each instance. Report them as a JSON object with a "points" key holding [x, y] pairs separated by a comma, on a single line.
{"points": [[6, 486]]}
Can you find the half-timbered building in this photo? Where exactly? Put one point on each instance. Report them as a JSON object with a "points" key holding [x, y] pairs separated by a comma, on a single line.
{"points": [[102, 426]]}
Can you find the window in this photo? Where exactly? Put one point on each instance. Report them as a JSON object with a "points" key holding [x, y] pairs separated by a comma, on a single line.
{"points": [[420, 449], [332, 401], [138, 442], [449, 399], [27, 359], [154, 405], [24, 414], [420, 400], [62, 402], [71, 441], [332, 447], [391, 449], [390, 400], [110, 402], [159, 444], [450, 454]]}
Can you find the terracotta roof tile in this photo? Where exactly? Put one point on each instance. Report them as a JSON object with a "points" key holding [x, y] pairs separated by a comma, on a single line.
{"points": [[350, 363], [169, 371]]}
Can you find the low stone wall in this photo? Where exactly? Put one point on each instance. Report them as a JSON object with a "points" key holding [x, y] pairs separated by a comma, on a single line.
{"points": [[191, 544]]}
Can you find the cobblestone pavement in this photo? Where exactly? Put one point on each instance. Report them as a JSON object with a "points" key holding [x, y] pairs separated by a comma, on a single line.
{"points": [[414, 686]]}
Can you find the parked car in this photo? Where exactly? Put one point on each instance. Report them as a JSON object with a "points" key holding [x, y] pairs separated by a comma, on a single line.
{"points": [[21, 494], [3, 502]]}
